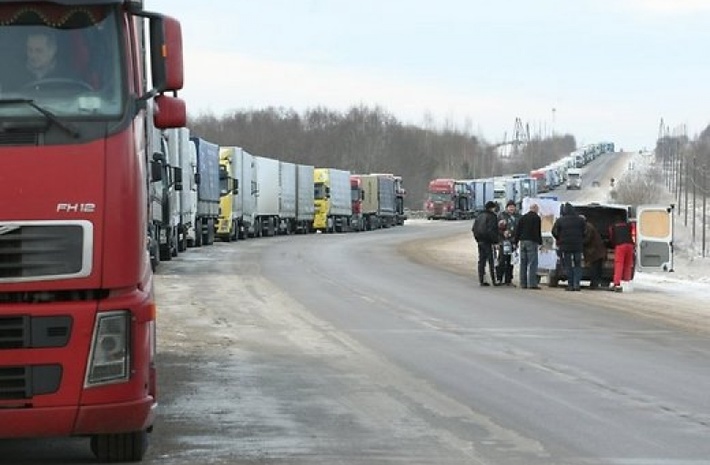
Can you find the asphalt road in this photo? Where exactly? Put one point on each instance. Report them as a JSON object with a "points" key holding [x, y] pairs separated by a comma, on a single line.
{"points": [[339, 349]]}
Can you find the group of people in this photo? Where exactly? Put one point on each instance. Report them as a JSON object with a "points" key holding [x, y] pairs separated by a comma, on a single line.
{"points": [[502, 235]]}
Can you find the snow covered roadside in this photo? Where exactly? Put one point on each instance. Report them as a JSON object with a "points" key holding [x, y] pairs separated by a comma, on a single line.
{"points": [[691, 275]]}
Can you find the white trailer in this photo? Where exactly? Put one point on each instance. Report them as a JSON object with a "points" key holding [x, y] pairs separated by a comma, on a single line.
{"points": [[266, 214], [187, 156], [287, 197], [246, 195], [305, 205]]}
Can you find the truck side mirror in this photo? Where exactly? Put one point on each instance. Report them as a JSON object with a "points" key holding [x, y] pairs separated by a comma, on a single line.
{"points": [[197, 178], [158, 157], [166, 59], [169, 112], [236, 186], [177, 177]]}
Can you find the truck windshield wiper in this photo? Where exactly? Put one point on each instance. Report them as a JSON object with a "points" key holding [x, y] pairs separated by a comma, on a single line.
{"points": [[65, 126]]}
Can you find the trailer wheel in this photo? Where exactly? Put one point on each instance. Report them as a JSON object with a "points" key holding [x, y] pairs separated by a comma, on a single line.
{"points": [[235, 231], [165, 253], [182, 240], [198, 235], [123, 447]]}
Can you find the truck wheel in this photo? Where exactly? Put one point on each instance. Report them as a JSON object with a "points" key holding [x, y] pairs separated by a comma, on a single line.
{"points": [[208, 237], [182, 241], [198, 235], [124, 447], [165, 254], [235, 232], [553, 280]]}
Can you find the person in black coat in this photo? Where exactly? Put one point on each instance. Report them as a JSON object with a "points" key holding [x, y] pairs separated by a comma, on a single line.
{"points": [[529, 235], [568, 230], [485, 231]]}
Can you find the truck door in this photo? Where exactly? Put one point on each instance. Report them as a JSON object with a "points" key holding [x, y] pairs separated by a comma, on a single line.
{"points": [[654, 238]]}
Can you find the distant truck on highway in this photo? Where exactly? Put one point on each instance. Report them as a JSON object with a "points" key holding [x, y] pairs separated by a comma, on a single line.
{"points": [[574, 178], [333, 204], [449, 199], [207, 180], [374, 201]]}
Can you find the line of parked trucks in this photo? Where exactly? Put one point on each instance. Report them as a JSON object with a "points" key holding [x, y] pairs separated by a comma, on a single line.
{"points": [[460, 199], [201, 192]]}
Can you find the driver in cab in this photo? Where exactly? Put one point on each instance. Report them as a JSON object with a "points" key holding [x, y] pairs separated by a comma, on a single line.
{"points": [[43, 66], [41, 56]]}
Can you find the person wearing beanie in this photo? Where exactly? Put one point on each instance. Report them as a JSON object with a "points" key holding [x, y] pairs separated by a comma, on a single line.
{"points": [[508, 223], [485, 231]]}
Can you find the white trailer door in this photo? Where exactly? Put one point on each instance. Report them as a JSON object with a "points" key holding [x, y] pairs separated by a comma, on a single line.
{"points": [[654, 238]]}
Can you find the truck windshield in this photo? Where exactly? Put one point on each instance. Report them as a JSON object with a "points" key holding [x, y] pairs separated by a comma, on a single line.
{"points": [[65, 58], [438, 197]]}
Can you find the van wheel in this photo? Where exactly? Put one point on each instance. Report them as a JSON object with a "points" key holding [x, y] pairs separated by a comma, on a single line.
{"points": [[552, 279]]}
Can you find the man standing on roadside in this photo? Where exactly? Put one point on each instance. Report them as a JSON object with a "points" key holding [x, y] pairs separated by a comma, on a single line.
{"points": [[569, 232], [485, 231], [594, 253], [529, 236], [621, 237], [507, 224]]}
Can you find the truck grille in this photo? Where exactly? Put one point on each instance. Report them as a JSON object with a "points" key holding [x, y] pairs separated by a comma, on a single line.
{"points": [[25, 332], [18, 138], [44, 250], [25, 382]]}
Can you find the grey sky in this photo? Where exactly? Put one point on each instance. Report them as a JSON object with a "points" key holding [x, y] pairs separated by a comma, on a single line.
{"points": [[610, 69]]}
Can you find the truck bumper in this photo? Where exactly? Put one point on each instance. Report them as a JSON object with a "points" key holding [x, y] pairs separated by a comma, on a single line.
{"points": [[72, 421]]}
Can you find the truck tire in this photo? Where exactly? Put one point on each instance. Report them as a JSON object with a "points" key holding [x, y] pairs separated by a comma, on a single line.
{"points": [[181, 239], [235, 231], [198, 234], [165, 254], [123, 447]]}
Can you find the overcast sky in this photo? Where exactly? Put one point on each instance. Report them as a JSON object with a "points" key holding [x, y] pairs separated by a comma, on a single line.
{"points": [[597, 69]]}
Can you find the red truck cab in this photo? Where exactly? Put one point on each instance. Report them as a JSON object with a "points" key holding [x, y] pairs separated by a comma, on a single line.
{"points": [[440, 199], [77, 311]]}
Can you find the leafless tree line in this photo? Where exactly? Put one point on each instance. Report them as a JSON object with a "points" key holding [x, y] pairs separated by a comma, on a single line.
{"points": [[686, 173], [370, 140]]}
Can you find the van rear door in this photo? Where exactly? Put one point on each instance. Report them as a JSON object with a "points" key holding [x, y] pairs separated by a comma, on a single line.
{"points": [[654, 238]]}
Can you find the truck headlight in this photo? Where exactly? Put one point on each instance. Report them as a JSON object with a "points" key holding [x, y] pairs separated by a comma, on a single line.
{"points": [[110, 356]]}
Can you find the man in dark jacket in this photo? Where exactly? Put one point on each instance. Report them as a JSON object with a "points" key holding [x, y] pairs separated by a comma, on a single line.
{"points": [[594, 253], [568, 230], [529, 235], [485, 231], [507, 225]]}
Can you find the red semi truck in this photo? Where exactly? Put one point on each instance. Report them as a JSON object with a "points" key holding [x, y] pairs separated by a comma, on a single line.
{"points": [[77, 311], [449, 199]]}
